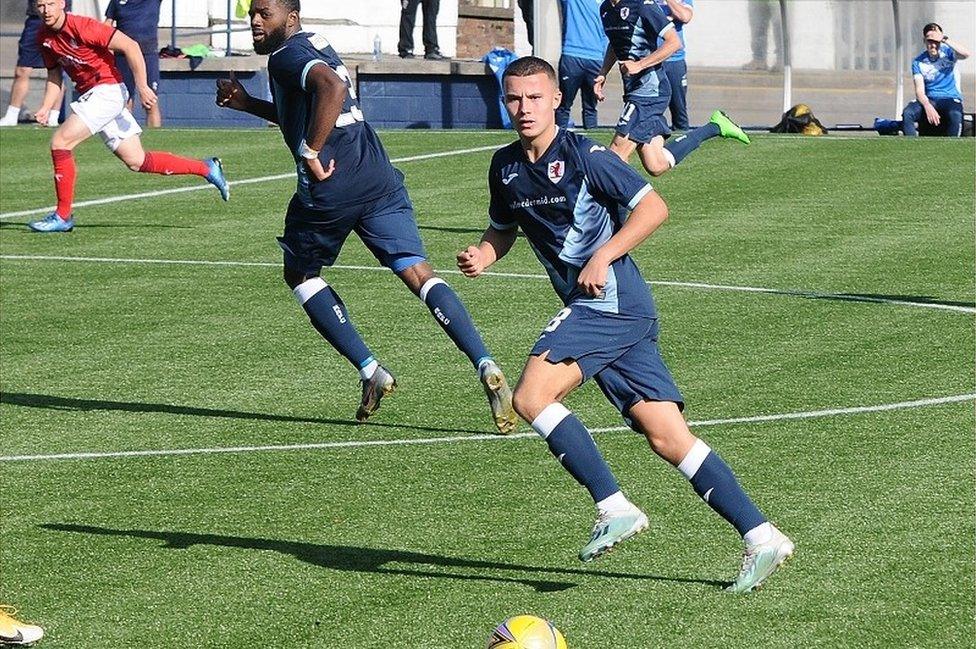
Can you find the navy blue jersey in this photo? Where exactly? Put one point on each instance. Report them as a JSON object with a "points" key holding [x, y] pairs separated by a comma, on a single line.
{"points": [[137, 19], [634, 27], [363, 171], [569, 203]]}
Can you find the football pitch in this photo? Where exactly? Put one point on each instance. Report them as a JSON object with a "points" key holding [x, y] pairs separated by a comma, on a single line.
{"points": [[179, 465]]}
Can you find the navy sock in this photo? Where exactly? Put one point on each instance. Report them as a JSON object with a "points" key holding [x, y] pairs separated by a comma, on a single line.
{"points": [[449, 311], [714, 481], [682, 145], [573, 446], [330, 318]]}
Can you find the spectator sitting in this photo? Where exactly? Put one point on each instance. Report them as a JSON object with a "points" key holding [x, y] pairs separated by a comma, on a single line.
{"points": [[936, 85]]}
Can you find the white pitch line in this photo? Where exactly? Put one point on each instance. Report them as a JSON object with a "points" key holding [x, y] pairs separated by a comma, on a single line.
{"points": [[233, 183], [832, 412], [449, 271]]}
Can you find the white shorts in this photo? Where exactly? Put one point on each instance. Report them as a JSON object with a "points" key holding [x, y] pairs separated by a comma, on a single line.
{"points": [[103, 111]]}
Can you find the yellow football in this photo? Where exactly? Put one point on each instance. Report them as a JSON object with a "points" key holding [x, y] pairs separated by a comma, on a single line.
{"points": [[526, 632]]}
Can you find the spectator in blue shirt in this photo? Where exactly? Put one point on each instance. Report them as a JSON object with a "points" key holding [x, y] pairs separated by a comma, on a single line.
{"points": [[680, 12], [937, 93], [139, 20], [584, 46]]}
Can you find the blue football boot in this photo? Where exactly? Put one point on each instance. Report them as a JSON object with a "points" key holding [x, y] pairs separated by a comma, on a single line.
{"points": [[53, 223], [216, 178]]}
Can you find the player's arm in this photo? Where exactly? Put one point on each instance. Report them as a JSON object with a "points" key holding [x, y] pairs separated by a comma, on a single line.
{"points": [[328, 96], [960, 52], [122, 44], [681, 12], [494, 245], [232, 94], [646, 217], [671, 44], [52, 93], [609, 58]]}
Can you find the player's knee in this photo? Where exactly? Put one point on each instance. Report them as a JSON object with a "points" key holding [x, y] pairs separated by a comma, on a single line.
{"points": [[529, 402], [134, 165], [293, 278], [22, 73]]}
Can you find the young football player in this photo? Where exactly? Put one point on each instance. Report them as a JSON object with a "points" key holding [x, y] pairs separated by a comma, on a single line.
{"points": [[85, 49], [346, 183], [634, 28], [571, 198]]}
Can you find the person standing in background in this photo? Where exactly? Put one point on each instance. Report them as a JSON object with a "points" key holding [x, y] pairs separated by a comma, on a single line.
{"points": [[28, 58], [680, 12], [528, 16], [584, 46], [139, 20], [762, 15], [408, 18]]}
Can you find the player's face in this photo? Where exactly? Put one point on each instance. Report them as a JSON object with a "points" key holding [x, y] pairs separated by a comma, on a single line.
{"points": [[270, 22], [531, 103], [50, 11]]}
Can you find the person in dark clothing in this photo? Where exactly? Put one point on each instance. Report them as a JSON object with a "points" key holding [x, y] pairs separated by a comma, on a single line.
{"points": [[408, 18]]}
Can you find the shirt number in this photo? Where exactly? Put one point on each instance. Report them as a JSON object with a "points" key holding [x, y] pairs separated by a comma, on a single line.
{"points": [[557, 320], [355, 114]]}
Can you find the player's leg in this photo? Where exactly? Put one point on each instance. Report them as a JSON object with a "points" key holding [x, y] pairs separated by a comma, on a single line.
{"points": [[18, 92], [950, 111], [677, 72], [312, 240], [569, 86], [154, 116], [590, 72], [408, 19], [909, 118], [121, 136], [576, 344], [720, 125], [642, 388], [642, 124], [69, 135], [623, 146], [389, 230]]}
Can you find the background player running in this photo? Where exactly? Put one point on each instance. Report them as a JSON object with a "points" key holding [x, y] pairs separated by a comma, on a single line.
{"points": [[570, 197], [346, 183], [635, 28], [85, 48]]}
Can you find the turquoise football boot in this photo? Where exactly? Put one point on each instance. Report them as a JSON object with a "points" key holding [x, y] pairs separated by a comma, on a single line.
{"points": [[760, 561], [53, 223], [612, 528], [216, 177]]}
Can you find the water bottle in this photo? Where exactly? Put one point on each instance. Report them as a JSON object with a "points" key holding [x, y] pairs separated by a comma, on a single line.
{"points": [[377, 48]]}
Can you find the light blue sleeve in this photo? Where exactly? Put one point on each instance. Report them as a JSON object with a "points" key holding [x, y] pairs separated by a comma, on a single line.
{"points": [[915, 69]]}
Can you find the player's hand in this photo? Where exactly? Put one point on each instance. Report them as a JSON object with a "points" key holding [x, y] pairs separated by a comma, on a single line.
{"points": [[470, 261], [147, 96], [319, 172], [932, 115], [598, 87], [231, 94], [42, 115], [630, 68], [593, 278]]}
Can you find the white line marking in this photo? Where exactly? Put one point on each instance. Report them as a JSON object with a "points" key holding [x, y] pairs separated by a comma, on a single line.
{"points": [[833, 412], [713, 287], [233, 183]]}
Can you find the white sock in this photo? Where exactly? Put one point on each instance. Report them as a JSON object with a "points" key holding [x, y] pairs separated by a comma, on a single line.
{"points": [[616, 502], [13, 113], [367, 372], [759, 534]]}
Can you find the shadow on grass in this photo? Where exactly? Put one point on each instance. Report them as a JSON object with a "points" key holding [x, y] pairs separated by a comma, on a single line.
{"points": [[51, 402], [377, 560], [142, 226], [912, 299]]}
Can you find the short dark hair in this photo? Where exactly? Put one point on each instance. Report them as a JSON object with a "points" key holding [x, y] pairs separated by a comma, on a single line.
{"points": [[291, 5], [528, 66], [930, 27]]}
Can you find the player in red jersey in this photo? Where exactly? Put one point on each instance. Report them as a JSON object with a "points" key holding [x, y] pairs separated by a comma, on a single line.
{"points": [[85, 48]]}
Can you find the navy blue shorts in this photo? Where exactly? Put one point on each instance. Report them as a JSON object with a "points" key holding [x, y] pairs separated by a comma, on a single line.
{"points": [[28, 50], [641, 120], [619, 352], [152, 71], [313, 238]]}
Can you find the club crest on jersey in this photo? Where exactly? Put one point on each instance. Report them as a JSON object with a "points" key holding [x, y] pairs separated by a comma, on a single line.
{"points": [[624, 13], [556, 171]]}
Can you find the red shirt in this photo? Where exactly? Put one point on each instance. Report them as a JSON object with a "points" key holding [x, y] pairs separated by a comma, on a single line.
{"points": [[80, 47]]}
